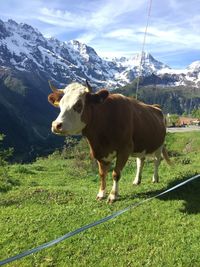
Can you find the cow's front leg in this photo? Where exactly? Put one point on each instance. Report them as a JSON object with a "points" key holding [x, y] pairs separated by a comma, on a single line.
{"points": [[103, 170], [120, 163], [140, 165]]}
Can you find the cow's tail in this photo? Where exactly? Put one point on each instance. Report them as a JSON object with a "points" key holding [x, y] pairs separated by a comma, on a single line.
{"points": [[166, 156]]}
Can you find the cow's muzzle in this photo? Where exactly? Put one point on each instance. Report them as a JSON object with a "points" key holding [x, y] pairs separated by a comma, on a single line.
{"points": [[57, 127]]}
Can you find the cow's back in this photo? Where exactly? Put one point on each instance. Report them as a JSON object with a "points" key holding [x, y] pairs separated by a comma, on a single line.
{"points": [[124, 122]]}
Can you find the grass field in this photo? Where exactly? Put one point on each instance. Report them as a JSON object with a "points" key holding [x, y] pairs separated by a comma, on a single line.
{"points": [[52, 196]]}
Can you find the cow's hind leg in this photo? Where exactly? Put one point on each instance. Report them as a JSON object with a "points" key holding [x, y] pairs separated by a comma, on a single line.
{"points": [[157, 160], [140, 165], [120, 163], [103, 170]]}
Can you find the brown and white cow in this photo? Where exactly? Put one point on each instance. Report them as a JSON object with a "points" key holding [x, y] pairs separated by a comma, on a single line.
{"points": [[115, 127]]}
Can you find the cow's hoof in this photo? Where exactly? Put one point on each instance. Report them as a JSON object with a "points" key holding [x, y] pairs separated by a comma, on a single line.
{"points": [[136, 182], [99, 198], [155, 181], [112, 198], [101, 195]]}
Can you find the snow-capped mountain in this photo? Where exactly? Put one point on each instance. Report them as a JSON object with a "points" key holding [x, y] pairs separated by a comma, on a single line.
{"points": [[189, 76], [139, 65], [25, 49]]}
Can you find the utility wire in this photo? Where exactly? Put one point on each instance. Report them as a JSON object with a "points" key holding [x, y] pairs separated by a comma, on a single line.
{"points": [[143, 45]]}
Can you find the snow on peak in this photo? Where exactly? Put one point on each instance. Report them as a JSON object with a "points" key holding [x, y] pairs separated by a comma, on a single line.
{"points": [[86, 52], [194, 66]]}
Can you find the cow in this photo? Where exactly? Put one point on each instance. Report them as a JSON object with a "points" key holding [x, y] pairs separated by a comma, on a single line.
{"points": [[115, 126]]}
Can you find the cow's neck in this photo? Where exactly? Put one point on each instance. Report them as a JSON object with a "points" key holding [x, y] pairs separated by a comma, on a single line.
{"points": [[90, 133], [97, 146]]}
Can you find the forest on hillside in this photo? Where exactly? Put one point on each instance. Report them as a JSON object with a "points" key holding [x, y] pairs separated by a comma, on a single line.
{"points": [[174, 100]]}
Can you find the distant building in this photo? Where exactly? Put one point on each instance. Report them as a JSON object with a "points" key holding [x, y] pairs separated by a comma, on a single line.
{"points": [[185, 121]]}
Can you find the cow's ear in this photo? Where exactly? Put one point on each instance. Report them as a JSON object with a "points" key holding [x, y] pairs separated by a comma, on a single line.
{"points": [[98, 97], [54, 99]]}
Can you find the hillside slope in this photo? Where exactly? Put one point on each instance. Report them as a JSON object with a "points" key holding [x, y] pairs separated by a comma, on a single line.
{"points": [[25, 115], [56, 195]]}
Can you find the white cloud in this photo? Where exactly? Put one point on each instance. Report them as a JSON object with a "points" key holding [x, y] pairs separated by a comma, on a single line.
{"points": [[86, 38], [61, 18], [121, 34]]}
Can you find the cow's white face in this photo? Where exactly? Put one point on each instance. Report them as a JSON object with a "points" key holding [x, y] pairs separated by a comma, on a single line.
{"points": [[71, 106]]}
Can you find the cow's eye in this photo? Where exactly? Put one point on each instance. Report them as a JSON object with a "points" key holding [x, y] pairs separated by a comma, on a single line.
{"points": [[78, 106]]}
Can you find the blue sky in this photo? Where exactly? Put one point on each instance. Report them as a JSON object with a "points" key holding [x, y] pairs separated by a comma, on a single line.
{"points": [[116, 27]]}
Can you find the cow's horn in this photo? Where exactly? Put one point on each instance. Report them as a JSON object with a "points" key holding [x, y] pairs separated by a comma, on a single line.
{"points": [[88, 86], [54, 89]]}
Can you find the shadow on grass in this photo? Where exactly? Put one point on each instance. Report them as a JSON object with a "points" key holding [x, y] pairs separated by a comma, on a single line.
{"points": [[189, 193]]}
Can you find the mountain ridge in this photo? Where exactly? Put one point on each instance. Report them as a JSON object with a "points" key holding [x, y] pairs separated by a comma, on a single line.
{"points": [[24, 48]]}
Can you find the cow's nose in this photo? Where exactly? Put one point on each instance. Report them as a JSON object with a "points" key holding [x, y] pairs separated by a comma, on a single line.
{"points": [[57, 126]]}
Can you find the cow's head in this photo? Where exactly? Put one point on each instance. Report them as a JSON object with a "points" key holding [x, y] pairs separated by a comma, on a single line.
{"points": [[73, 101]]}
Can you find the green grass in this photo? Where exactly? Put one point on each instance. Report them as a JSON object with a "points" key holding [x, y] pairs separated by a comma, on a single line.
{"points": [[57, 194]]}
